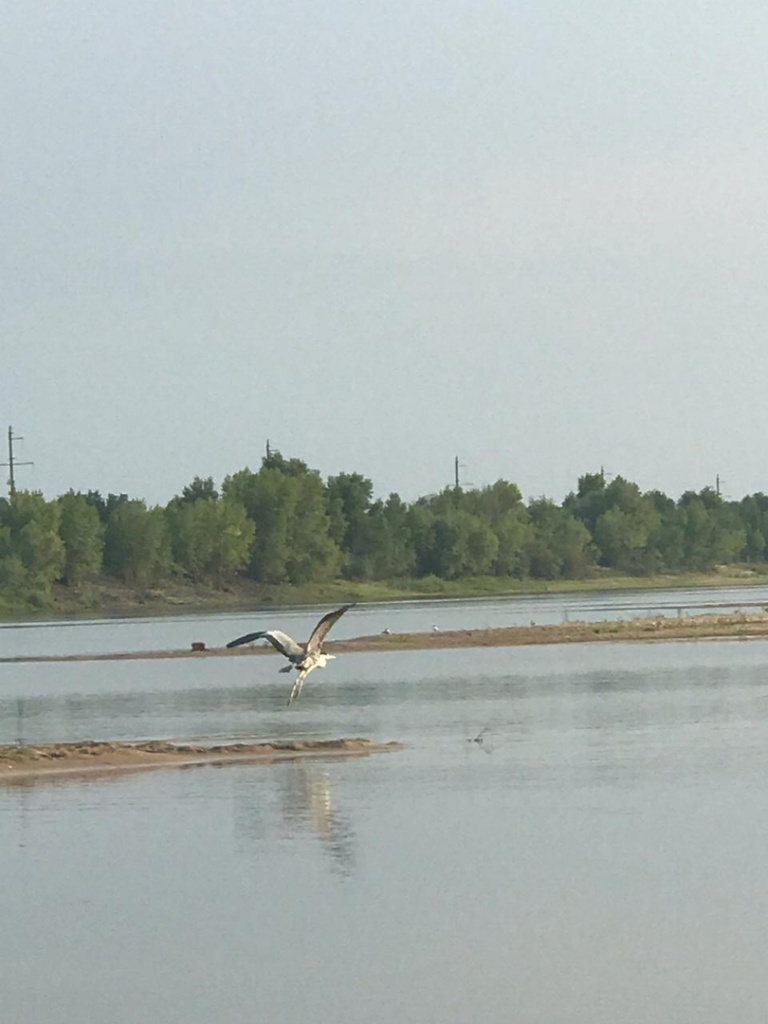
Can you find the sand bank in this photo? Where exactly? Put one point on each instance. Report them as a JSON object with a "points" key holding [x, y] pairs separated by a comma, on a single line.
{"points": [[753, 625], [29, 763]]}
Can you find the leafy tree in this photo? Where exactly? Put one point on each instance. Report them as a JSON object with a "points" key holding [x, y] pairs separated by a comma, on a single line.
{"points": [[666, 539], [349, 499], [493, 503], [199, 490], [33, 549], [421, 522], [210, 538], [288, 467], [81, 530], [293, 542], [590, 501], [560, 544], [514, 533], [501, 506], [136, 544], [753, 514], [713, 533], [452, 543], [105, 506]]}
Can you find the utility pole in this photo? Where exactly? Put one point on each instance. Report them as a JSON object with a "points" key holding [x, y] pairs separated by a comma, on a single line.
{"points": [[456, 467], [11, 463]]}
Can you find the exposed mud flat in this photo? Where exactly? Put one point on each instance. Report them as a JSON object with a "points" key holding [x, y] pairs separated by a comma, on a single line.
{"points": [[751, 625], [55, 760]]}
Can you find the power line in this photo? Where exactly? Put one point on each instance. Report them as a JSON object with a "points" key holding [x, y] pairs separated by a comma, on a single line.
{"points": [[12, 463]]}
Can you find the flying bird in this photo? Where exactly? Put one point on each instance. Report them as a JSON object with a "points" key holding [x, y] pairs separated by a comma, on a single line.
{"points": [[302, 657]]}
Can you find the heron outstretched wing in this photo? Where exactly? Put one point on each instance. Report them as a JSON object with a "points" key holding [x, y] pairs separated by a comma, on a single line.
{"points": [[246, 639], [320, 631], [279, 640], [284, 643]]}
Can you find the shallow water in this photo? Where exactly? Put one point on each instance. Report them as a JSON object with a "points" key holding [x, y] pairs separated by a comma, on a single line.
{"points": [[599, 856], [24, 639]]}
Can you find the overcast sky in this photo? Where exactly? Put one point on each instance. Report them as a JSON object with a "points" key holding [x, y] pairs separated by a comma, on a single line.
{"points": [[533, 235]]}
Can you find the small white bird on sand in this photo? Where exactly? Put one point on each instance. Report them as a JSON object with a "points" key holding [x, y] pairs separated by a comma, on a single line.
{"points": [[302, 657]]}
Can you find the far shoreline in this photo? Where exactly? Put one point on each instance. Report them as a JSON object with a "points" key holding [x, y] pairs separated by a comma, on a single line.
{"points": [[105, 598]]}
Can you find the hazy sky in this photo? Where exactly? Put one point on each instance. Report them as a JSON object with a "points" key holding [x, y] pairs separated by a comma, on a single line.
{"points": [[381, 235]]}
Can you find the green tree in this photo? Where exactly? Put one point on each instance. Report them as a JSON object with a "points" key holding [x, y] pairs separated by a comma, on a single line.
{"points": [[560, 545], [590, 501], [137, 545], [666, 540], [199, 490], [712, 529], [105, 506], [287, 503], [753, 513], [514, 532], [348, 497], [33, 549], [210, 538], [453, 543], [81, 530]]}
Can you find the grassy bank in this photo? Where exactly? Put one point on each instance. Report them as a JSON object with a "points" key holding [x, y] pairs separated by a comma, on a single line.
{"points": [[108, 597]]}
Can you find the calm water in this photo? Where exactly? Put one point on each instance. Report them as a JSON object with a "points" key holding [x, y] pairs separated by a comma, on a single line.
{"points": [[600, 857], [177, 632]]}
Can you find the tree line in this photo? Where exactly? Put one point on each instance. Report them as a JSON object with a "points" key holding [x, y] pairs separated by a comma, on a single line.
{"points": [[285, 524]]}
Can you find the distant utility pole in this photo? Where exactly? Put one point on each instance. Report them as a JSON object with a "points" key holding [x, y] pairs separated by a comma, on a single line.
{"points": [[11, 463], [268, 451], [456, 467]]}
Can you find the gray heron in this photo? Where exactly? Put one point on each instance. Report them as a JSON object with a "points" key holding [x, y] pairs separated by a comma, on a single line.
{"points": [[302, 657]]}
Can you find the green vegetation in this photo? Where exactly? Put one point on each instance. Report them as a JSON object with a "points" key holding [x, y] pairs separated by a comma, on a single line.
{"points": [[282, 534]]}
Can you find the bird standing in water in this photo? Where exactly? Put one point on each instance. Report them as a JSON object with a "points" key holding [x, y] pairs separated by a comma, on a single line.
{"points": [[302, 657]]}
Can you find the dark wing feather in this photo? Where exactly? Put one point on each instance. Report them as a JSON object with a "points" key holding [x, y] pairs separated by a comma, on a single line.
{"points": [[279, 640], [246, 639], [319, 633]]}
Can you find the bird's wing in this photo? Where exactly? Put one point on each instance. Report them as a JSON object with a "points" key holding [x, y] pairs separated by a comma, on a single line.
{"points": [[279, 640], [246, 639], [284, 643], [320, 631]]}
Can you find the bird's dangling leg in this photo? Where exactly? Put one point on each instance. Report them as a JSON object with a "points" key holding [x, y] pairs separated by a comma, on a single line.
{"points": [[297, 686]]}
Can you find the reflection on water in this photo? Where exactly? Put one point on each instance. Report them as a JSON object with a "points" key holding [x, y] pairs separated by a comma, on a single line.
{"points": [[299, 798], [598, 856]]}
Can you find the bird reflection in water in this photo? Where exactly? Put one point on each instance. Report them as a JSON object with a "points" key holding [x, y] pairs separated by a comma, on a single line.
{"points": [[304, 800]]}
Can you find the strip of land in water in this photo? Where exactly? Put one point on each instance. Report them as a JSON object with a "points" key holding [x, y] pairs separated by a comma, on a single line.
{"points": [[22, 763], [740, 625], [54, 760]]}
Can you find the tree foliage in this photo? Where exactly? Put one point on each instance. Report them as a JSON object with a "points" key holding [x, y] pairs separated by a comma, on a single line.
{"points": [[136, 545], [284, 524], [82, 534], [31, 549]]}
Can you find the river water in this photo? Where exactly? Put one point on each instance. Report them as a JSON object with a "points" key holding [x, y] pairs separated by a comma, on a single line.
{"points": [[599, 855]]}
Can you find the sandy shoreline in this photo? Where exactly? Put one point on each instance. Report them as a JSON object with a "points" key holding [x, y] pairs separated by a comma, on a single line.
{"points": [[68, 760], [699, 627]]}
